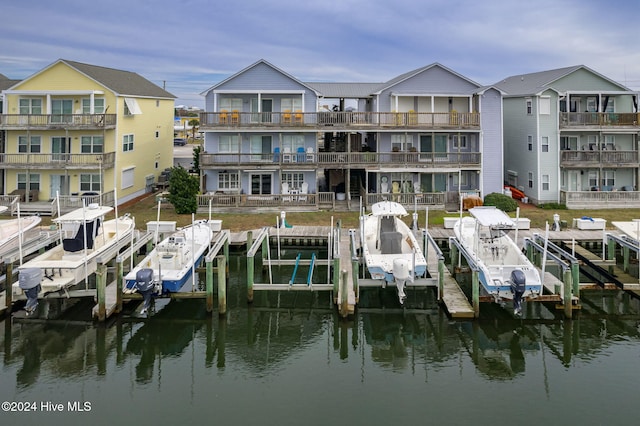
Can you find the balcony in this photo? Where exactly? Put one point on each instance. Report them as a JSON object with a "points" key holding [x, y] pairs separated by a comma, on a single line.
{"points": [[57, 161], [332, 121], [590, 159], [597, 120], [600, 199], [427, 160], [57, 121]]}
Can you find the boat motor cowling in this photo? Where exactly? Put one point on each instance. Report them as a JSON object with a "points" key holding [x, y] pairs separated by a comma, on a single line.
{"points": [[518, 287], [145, 286]]}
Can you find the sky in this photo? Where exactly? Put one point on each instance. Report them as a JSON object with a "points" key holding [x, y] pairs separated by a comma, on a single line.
{"points": [[187, 46]]}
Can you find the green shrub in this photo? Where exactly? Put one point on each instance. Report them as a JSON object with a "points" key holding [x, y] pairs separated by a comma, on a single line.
{"points": [[553, 206], [501, 201]]}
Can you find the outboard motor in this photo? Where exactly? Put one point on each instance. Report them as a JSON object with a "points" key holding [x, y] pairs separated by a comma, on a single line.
{"points": [[29, 281], [401, 273], [144, 285], [518, 287]]}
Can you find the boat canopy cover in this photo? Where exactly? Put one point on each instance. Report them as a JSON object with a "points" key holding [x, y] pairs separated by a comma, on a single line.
{"points": [[89, 214], [492, 217], [388, 208]]}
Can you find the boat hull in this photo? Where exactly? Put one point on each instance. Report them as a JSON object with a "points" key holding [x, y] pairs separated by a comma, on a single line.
{"points": [[172, 260]]}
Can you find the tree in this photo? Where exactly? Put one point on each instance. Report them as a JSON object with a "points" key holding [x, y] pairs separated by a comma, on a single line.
{"points": [[196, 159], [183, 191], [194, 123]]}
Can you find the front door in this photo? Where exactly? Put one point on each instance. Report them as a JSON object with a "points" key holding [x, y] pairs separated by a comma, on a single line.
{"points": [[261, 148], [59, 185], [574, 181], [267, 109]]}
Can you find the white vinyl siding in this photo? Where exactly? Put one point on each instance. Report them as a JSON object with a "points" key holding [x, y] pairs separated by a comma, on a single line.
{"points": [[545, 105]]}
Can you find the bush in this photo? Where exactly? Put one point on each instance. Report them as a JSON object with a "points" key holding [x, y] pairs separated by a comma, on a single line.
{"points": [[501, 201], [183, 191], [553, 206]]}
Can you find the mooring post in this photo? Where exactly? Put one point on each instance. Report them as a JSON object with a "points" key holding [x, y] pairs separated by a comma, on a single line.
{"points": [[454, 256], [8, 290], [265, 247], [625, 259], [101, 278], [575, 276], [354, 273], [475, 293], [119, 282], [222, 285], [568, 283], [225, 251], [250, 265], [336, 277], [440, 279], [611, 248], [209, 283], [344, 292]]}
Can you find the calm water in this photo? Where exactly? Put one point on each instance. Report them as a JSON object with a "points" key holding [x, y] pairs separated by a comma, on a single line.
{"points": [[290, 360]]}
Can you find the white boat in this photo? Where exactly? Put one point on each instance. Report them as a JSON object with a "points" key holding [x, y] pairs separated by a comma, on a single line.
{"points": [[84, 236], [11, 230], [169, 265], [389, 248], [504, 271]]}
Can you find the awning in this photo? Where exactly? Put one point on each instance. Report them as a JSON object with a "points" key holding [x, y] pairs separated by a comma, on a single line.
{"points": [[133, 106]]}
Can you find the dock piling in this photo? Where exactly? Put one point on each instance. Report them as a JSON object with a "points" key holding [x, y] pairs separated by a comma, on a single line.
{"points": [[101, 284], [222, 285]]}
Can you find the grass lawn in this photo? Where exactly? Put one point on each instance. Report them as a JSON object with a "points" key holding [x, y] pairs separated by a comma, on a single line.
{"points": [[146, 210]]}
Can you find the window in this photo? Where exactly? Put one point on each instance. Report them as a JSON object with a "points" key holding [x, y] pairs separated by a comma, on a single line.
{"points": [[228, 181], [608, 178], [33, 182], [592, 104], [530, 142], [127, 143], [464, 182], [401, 142], [131, 107], [529, 107], [545, 182], [292, 142], [98, 106], [293, 179], [30, 106], [545, 105], [593, 178], [530, 179], [29, 144], [128, 176], [90, 182], [229, 143], [291, 104], [544, 146], [608, 104], [231, 104], [462, 139], [91, 144]]}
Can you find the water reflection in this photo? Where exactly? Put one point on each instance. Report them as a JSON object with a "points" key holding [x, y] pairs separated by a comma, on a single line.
{"points": [[279, 328]]}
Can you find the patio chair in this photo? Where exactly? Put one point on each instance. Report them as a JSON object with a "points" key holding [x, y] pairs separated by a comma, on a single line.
{"points": [[285, 192], [304, 190]]}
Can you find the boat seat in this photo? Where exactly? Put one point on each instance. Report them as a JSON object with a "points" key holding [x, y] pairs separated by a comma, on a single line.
{"points": [[391, 242], [387, 224]]}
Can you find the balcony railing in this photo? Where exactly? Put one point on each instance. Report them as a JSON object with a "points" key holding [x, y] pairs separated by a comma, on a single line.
{"points": [[600, 199], [595, 158], [321, 120], [597, 119], [353, 159], [57, 121], [57, 161]]}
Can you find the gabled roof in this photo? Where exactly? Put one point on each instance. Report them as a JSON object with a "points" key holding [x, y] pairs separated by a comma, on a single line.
{"points": [[410, 74], [123, 83], [5, 82], [345, 90], [255, 64], [534, 83]]}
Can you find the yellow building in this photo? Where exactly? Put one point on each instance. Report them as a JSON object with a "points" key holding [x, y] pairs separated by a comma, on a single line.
{"points": [[75, 129]]}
